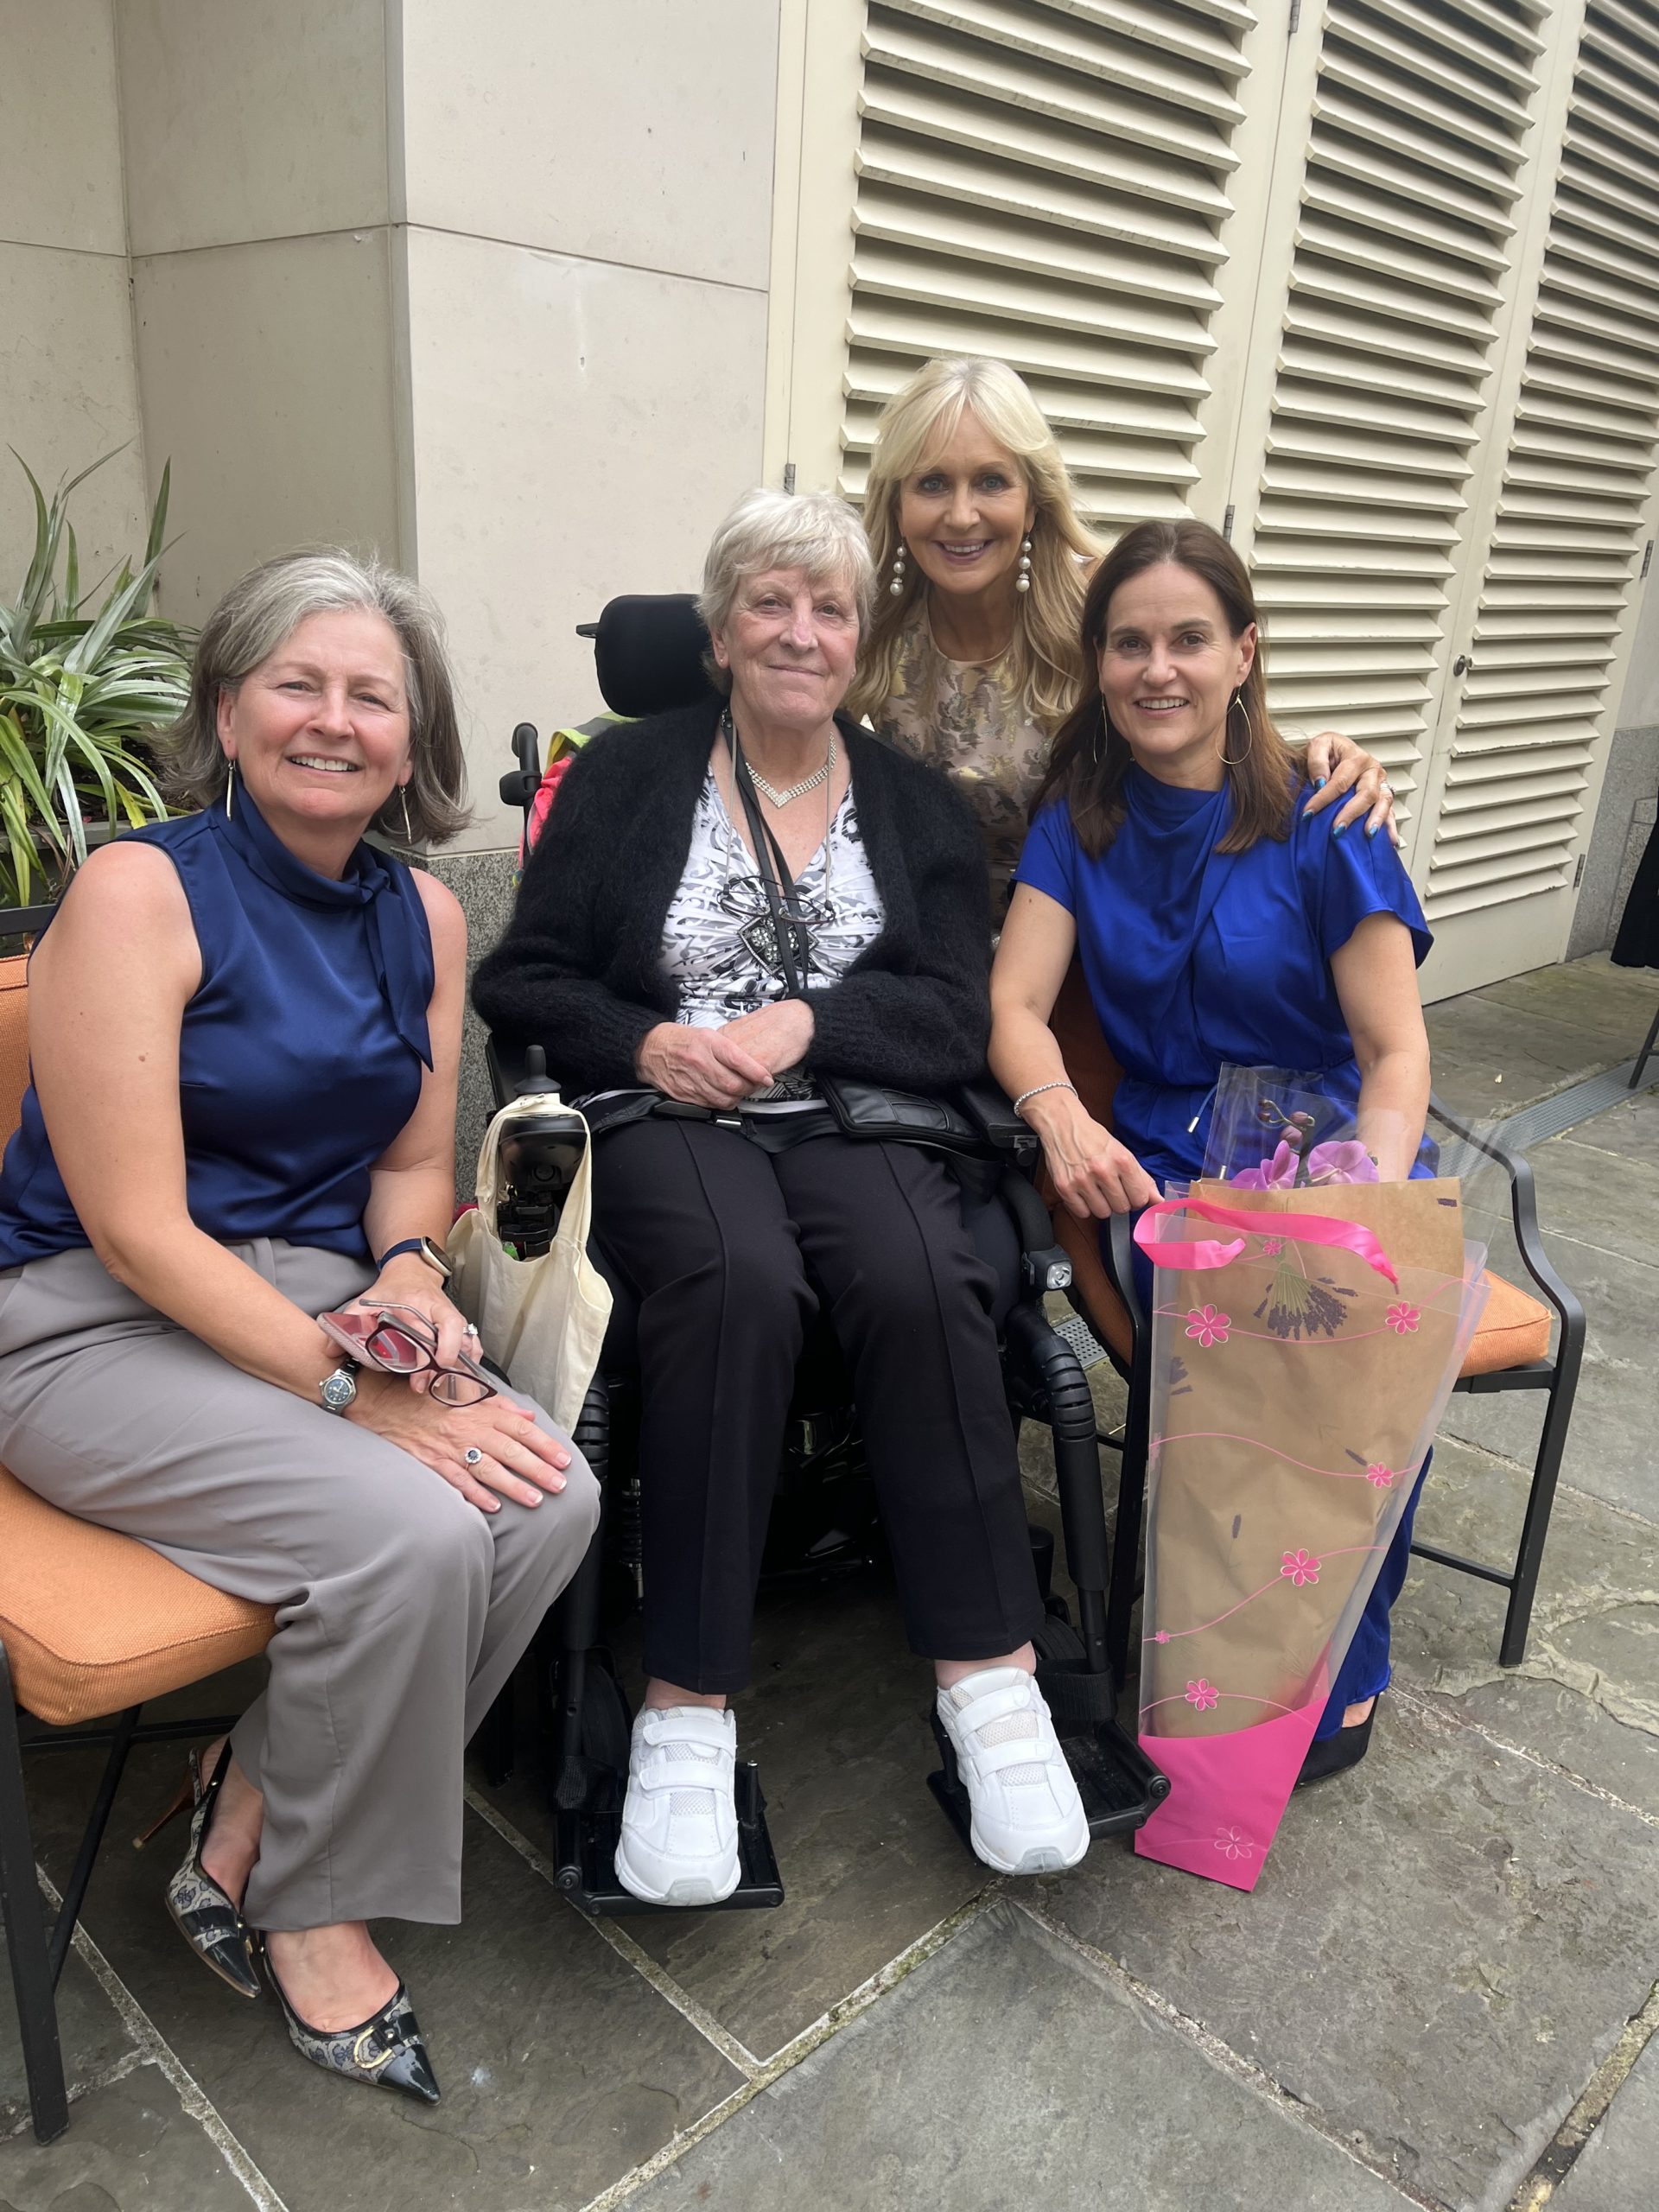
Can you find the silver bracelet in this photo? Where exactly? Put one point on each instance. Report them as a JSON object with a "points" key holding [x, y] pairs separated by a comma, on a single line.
{"points": [[1037, 1089]]}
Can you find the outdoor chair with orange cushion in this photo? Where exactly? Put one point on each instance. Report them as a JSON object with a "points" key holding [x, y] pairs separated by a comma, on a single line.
{"points": [[1511, 1351], [92, 1625]]}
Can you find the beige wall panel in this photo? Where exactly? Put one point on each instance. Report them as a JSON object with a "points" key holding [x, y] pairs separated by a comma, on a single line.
{"points": [[266, 375], [578, 430], [1639, 701], [248, 121], [639, 131], [68, 394], [58, 126]]}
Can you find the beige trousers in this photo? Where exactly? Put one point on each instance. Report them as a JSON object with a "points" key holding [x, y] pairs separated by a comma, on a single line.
{"points": [[401, 1609]]}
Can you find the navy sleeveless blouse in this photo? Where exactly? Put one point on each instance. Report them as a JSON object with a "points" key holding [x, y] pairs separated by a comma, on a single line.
{"points": [[301, 1052]]}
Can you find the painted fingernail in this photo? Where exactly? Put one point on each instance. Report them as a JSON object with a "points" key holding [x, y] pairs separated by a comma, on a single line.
{"points": [[1321, 783], [1371, 828], [1340, 827]]}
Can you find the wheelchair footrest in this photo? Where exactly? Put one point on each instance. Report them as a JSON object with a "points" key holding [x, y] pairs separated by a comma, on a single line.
{"points": [[1119, 1785], [587, 1855]]}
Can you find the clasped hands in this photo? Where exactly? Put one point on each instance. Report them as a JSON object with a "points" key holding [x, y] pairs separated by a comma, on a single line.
{"points": [[719, 1068]]}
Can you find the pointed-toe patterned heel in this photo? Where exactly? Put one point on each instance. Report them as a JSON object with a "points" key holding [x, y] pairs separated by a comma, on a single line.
{"points": [[385, 2051], [208, 1921]]}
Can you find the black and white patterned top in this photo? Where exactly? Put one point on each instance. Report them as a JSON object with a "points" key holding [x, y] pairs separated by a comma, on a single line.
{"points": [[719, 944]]}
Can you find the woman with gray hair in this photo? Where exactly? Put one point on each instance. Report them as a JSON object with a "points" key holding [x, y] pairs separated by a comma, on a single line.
{"points": [[732, 905], [244, 1028]]}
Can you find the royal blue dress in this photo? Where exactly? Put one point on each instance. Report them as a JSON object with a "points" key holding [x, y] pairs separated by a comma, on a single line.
{"points": [[301, 1052], [1194, 958]]}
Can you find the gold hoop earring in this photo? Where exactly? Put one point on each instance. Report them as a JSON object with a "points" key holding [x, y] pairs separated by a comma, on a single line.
{"points": [[1105, 732], [402, 793], [1238, 700], [230, 785]]}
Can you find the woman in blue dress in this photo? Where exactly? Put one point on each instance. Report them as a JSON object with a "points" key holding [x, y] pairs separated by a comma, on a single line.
{"points": [[1216, 920]]}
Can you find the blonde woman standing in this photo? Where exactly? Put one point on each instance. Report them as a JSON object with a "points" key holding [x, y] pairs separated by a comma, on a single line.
{"points": [[972, 661]]}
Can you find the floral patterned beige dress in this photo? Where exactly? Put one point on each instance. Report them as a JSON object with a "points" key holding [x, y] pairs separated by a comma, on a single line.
{"points": [[967, 717]]}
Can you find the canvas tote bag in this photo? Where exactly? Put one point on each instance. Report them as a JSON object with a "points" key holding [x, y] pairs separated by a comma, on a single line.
{"points": [[543, 1320]]}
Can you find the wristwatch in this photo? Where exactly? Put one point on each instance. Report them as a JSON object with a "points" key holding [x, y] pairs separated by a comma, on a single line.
{"points": [[433, 1255], [338, 1390]]}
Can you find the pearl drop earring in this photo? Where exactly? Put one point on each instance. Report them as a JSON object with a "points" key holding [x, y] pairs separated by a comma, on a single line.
{"points": [[897, 587], [1022, 582]]}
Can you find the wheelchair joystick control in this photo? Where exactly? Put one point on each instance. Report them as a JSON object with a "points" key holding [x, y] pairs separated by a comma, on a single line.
{"points": [[540, 1154]]}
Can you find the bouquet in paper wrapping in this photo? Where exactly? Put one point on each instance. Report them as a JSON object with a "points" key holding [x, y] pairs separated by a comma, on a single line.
{"points": [[1308, 1325]]}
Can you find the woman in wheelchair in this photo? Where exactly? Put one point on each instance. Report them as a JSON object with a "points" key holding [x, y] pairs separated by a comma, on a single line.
{"points": [[971, 658], [245, 1026], [1216, 919], [698, 864]]}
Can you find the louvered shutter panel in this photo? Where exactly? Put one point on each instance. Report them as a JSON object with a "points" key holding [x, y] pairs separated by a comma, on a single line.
{"points": [[1565, 545], [1044, 181], [1402, 243]]}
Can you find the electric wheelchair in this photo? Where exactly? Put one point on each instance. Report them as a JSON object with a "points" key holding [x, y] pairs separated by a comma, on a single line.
{"points": [[824, 1521]]}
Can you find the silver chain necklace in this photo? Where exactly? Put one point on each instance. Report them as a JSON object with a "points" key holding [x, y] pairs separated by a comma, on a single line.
{"points": [[769, 791]]}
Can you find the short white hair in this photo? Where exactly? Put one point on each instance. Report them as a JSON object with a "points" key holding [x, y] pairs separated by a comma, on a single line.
{"points": [[811, 530]]}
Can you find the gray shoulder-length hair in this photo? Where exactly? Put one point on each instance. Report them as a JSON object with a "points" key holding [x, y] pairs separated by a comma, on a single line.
{"points": [[254, 619], [812, 530]]}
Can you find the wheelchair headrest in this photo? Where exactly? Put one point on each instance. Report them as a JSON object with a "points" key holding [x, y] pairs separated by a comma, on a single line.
{"points": [[648, 652]]}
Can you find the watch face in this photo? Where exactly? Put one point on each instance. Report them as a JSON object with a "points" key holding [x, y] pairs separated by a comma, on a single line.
{"points": [[436, 1256], [338, 1389]]}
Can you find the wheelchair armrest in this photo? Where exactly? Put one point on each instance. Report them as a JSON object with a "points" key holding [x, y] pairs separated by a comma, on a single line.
{"points": [[1523, 1212], [991, 1110], [1043, 1265]]}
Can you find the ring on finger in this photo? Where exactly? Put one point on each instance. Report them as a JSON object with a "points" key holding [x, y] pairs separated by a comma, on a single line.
{"points": [[472, 1456]]}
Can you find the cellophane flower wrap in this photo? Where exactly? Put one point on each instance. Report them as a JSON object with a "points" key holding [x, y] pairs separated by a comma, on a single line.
{"points": [[1305, 1337]]}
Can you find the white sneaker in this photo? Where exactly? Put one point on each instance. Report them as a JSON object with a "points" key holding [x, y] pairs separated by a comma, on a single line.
{"points": [[678, 1844], [1027, 1817]]}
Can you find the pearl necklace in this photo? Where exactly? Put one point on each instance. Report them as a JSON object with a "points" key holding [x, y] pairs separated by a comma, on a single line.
{"points": [[795, 790]]}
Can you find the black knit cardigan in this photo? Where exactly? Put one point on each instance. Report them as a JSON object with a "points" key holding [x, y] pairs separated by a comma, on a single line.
{"points": [[580, 970]]}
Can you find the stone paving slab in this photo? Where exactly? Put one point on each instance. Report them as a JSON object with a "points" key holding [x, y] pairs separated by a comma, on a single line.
{"points": [[835, 1719], [1586, 1696], [130, 2144], [1491, 1058], [1008, 2073], [1630, 1128], [91, 2031], [1617, 2170], [1442, 1948], [561, 2068]]}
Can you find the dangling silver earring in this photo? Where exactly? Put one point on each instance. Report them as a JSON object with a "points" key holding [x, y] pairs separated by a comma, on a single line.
{"points": [[402, 793], [1238, 700], [1022, 582], [230, 785], [897, 587]]}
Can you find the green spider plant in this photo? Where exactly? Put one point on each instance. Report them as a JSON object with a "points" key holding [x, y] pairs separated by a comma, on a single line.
{"points": [[81, 696]]}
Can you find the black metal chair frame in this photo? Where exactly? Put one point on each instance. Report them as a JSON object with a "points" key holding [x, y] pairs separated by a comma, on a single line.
{"points": [[36, 1950], [1557, 1377]]}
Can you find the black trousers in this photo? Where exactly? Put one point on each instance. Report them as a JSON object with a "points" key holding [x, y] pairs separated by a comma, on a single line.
{"points": [[729, 1250]]}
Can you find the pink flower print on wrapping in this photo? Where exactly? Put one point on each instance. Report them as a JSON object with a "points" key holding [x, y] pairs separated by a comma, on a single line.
{"points": [[1203, 1696], [1271, 1247], [1381, 1476], [1401, 1319], [1234, 1842], [1299, 1567], [1207, 1325], [1161, 1635]]}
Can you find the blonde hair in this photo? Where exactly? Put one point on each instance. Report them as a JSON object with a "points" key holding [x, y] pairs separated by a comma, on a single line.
{"points": [[917, 422]]}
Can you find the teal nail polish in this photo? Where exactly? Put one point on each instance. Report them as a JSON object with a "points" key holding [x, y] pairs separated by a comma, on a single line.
{"points": [[1340, 827], [1371, 829], [1321, 783]]}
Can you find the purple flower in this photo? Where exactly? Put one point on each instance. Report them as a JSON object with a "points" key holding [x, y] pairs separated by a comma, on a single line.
{"points": [[1278, 1173], [1344, 1161]]}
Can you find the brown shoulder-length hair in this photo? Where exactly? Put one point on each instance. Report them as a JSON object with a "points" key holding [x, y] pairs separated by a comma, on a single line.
{"points": [[1089, 759]]}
